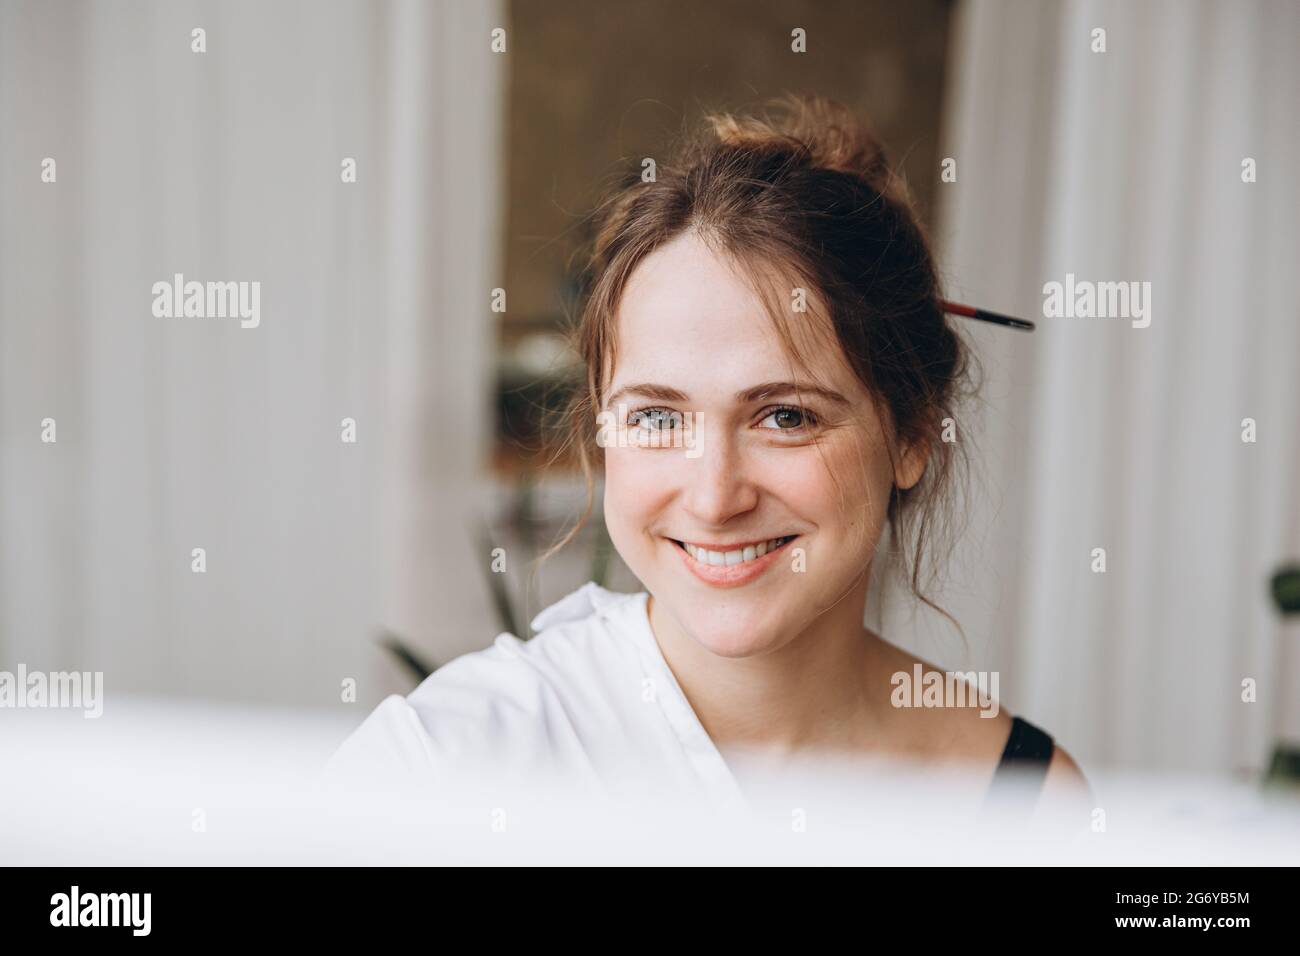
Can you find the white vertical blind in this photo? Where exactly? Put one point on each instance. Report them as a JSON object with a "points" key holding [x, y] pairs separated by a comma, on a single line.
{"points": [[1121, 166], [177, 433]]}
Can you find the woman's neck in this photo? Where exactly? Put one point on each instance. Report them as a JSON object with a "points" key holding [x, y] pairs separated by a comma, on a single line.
{"points": [[815, 692]]}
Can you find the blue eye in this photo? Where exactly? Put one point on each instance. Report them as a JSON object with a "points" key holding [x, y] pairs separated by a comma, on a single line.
{"points": [[790, 418], [655, 419]]}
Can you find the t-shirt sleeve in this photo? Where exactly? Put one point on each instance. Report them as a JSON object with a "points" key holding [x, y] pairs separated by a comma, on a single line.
{"points": [[388, 752], [507, 716]]}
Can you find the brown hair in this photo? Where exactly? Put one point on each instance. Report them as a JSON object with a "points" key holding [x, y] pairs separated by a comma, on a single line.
{"points": [[804, 187]]}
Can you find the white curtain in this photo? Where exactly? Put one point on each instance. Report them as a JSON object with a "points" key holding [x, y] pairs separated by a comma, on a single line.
{"points": [[1120, 166], [174, 433]]}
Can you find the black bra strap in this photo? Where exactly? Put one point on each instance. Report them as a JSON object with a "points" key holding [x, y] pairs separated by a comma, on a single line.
{"points": [[1026, 746], [1024, 762]]}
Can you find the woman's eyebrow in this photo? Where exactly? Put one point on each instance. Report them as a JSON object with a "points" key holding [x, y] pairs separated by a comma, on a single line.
{"points": [[659, 393], [772, 389], [666, 393]]}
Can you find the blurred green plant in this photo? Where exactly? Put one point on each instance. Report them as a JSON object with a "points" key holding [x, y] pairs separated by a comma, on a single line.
{"points": [[1284, 770], [1286, 589]]}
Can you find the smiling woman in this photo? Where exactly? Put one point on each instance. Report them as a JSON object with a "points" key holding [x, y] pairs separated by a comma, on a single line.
{"points": [[774, 290], [784, 251], [770, 302]]}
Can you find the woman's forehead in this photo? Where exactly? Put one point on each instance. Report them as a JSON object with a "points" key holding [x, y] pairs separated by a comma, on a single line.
{"points": [[691, 313]]}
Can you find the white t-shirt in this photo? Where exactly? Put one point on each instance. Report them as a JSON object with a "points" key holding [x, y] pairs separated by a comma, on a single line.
{"points": [[589, 701]]}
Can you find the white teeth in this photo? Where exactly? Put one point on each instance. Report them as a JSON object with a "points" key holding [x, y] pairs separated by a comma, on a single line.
{"points": [[739, 556]]}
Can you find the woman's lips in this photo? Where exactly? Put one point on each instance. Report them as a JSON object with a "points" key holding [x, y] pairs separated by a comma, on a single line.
{"points": [[733, 575]]}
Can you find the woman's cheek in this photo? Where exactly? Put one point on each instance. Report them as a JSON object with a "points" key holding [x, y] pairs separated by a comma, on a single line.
{"points": [[844, 491], [633, 493]]}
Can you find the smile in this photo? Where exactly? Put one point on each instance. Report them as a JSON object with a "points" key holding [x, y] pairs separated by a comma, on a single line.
{"points": [[731, 565]]}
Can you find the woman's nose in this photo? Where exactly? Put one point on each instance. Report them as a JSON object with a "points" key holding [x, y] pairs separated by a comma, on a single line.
{"points": [[719, 484]]}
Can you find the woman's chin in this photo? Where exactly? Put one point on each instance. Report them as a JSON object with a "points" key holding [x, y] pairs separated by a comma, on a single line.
{"points": [[734, 623], [734, 636], [734, 646]]}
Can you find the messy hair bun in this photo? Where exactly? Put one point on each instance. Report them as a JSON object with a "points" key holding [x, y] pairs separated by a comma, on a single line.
{"points": [[803, 185], [822, 132]]}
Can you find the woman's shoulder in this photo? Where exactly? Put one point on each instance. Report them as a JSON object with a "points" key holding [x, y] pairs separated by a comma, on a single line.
{"points": [[512, 699], [929, 722], [978, 731], [578, 646]]}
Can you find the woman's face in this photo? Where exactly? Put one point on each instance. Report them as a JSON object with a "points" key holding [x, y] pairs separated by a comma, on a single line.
{"points": [[708, 447]]}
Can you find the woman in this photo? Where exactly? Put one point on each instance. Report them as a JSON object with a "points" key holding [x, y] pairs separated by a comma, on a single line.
{"points": [[769, 371]]}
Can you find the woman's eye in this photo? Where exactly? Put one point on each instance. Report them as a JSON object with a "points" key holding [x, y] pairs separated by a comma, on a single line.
{"points": [[655, 419], [789, 418]]}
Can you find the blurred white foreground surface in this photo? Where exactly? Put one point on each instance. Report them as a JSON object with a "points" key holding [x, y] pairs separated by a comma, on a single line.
{"points": [[167, 782]]}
